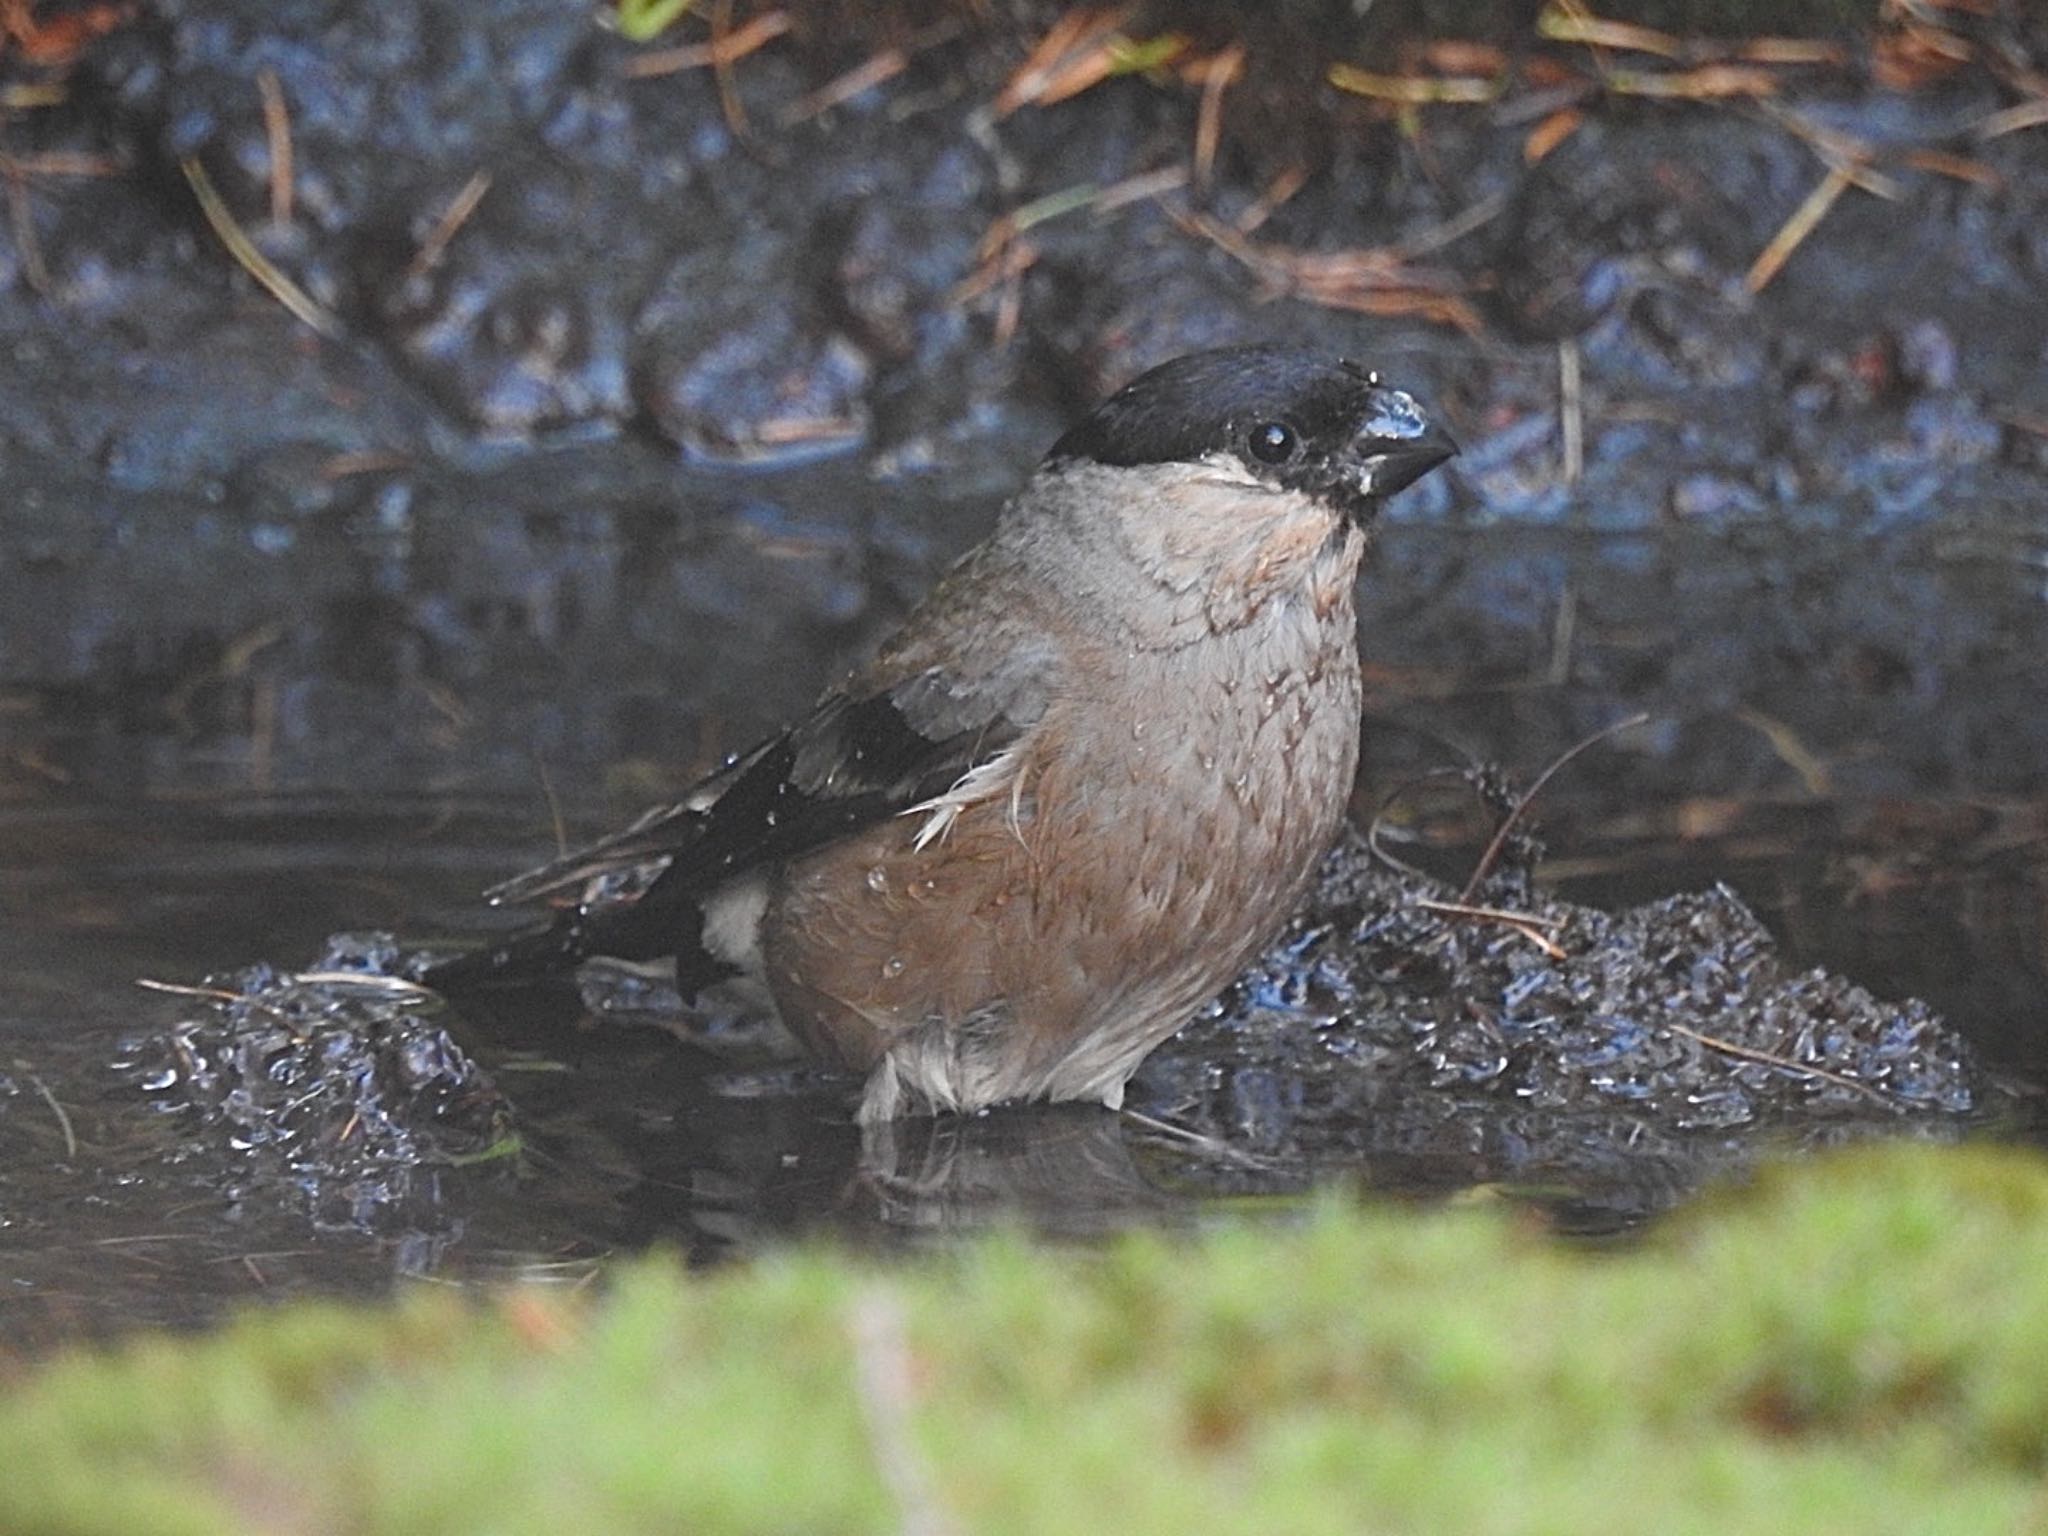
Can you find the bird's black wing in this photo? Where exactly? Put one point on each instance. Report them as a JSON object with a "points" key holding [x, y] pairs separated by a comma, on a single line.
{"points": [[848, 763], [855, 759]]}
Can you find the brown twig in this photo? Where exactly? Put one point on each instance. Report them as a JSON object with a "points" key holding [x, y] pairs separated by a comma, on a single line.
{"points": [[724, 50], [21, 222], [1527, 924], [1571, 411], [1493, 914], [263, 725], [547, 789], [221, 995], [1770, 1059], [19, 171], [277, 131], [1278, 192], [1809, 51], [884, 66], [177, 989], [453, 217], [1575, 24], [2028, 114], [1804, 220], [1379, 817], [63, 1117], [1010, 305], [1453, 229], [1552, 131], [1507, 823], [1075, 53], [1418, 90], [1956, 167], [61, 162], [2032, 423], [31, 760], [1217, 73], [254, 262], [1563, 631], [1004, 256], [730, 106], [365, 981], [1373, 280], [371, 461], [1854, 157], [1794, 753], [1710, 82]]}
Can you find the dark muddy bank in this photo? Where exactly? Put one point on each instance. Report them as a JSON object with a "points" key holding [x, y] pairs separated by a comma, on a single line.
{"points": [[626, 402], [503, 497]]}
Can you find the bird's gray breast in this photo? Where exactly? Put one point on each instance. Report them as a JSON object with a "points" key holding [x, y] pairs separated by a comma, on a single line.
{"points": [[1224, 768]]}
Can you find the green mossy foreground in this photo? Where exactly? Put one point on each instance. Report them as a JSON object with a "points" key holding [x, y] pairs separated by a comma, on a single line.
{"points": [[1858, 1345]]}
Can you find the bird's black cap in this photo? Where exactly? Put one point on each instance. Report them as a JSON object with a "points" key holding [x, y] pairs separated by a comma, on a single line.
{"points": [[1297, 417]]}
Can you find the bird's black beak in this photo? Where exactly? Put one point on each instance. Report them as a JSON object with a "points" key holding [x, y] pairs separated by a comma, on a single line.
{"points": [[1398, 443], [1405, 465]]}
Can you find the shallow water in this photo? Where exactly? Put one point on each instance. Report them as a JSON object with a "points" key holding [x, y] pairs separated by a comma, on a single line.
{"points": [[153, 861]]}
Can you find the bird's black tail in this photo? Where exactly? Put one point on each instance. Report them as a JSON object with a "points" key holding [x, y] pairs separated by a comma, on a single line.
{"points": [[637, 930], [522, 959]]}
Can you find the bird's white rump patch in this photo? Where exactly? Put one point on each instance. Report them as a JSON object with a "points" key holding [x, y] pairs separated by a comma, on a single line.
{"points": [[732, 922]]}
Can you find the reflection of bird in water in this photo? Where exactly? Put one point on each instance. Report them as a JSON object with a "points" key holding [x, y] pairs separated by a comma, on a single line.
{"points": [[792, 1170], [1076, 792], [1067, 1168]]}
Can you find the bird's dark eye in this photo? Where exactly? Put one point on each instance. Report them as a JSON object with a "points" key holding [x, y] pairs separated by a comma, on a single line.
{"points": [[1273, 442]]}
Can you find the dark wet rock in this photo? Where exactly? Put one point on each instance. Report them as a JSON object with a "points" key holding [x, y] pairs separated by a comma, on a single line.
{"points": [[517, 317], [730, 368], [335, 1089], [1928, 357], [1166, 298], [1630, 1011], [380, 99], [891, 273], [749, 270], [521, 322], [1950, 430], [1710, 497], [1663, 1042], [1616, 214]]}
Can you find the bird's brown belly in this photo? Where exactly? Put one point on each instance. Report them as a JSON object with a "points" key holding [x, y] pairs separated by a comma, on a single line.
{"points": [[1058, 931]]}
